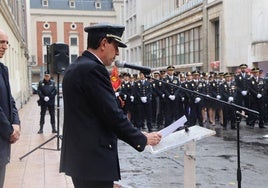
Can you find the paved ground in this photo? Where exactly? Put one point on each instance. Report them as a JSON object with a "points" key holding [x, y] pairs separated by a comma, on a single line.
{"points": [[215, 160]]}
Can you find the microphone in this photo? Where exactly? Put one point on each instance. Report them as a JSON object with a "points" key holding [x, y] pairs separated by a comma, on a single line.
{"points": [[144, 70]]}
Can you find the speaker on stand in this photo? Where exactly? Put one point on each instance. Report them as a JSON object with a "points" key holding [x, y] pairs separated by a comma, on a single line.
{"points": [[58, 61]]}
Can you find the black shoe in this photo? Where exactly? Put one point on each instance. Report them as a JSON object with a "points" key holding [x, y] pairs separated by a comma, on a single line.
{"points": [[262, 127], [40, 132], [54, 131]]}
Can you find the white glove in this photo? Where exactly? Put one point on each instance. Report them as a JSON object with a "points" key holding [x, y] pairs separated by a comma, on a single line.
{"points": [[116, 94], [163, 95], [182, 99], [197, 100], [230, 99], [244, 93], [46, 98], [144, 99], [171, 97], [125, 97], [259, 95], [218, 97], [131, 98]]}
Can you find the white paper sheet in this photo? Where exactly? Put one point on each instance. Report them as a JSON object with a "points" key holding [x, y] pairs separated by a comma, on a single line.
{"points": [[173, 127]]}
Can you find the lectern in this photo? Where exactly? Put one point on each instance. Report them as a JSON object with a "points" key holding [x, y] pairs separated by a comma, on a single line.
{"points": [[188, 140]]}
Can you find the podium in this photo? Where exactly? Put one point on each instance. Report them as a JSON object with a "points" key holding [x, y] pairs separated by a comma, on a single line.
{"points": [[187, 139]]}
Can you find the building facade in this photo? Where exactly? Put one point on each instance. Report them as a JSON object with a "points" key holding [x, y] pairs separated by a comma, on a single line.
{"points": [[54, 21], [13, 19], [205, 35]]}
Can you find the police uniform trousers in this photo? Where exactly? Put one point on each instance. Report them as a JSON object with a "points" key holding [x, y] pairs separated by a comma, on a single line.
{"points": [[144, 113], [259, 106], [243, 101], [171, 113], [228, 115], [51, 110], [195, 114]]}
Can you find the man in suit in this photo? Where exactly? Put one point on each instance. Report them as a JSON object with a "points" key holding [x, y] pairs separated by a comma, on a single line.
{"points": [[9, 117], [92, 119]]}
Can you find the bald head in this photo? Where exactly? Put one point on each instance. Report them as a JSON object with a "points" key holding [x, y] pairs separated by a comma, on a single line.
{"points": [[3, 42]]}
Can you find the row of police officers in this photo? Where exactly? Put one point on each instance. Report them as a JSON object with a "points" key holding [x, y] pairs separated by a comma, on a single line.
{"points": [[163, 98]]}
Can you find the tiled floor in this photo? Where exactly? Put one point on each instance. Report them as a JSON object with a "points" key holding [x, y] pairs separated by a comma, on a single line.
{"points": [[39, 169]]}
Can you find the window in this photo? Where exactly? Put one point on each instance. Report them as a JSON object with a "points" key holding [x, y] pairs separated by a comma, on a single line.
{"points": [[73, 57], [182, 48], [72, 3], [73, 41], [44, 3], [217, 40], [46, 41], [98, 5]]}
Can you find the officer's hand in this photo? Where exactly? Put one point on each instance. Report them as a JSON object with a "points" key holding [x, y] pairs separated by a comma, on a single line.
{"points": [[218, 97], [125, 97], [171, 97], [182, 99], [116, 94], [153, 138], [197, 100], [259, 95], [131, 98], [46, 98], [163, 95], [230, 99], [144, 99], [244, 93]]}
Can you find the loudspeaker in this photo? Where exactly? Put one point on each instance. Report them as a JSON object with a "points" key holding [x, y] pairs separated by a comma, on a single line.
{"points": [[58, 57]]}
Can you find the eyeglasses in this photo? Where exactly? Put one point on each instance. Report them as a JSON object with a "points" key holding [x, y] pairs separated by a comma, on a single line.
{"points": [[3, 42]]}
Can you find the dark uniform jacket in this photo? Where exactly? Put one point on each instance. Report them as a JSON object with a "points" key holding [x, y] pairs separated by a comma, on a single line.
{"points": [[8, 116], [143, 90], [228, 91], [47, 88], [93, 122]]}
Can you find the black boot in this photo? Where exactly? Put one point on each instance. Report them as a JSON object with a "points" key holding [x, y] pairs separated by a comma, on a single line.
{"points": [[53, 129], [41, 129]]}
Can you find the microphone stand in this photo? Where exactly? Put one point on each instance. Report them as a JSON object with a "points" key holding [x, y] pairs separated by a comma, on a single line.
{"points": [[238, 116]]}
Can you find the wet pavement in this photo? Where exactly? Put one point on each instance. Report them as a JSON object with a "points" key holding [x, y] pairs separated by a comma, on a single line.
{"points": [[216, 160]]}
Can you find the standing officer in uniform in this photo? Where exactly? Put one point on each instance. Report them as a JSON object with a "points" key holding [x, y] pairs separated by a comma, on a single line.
{"points": [[143, 94], [158, 102], [257, 94], [196, 100], [93, 121], [170, 96], [241, 82], [228, 92], [47, 92], [126, 93]]}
